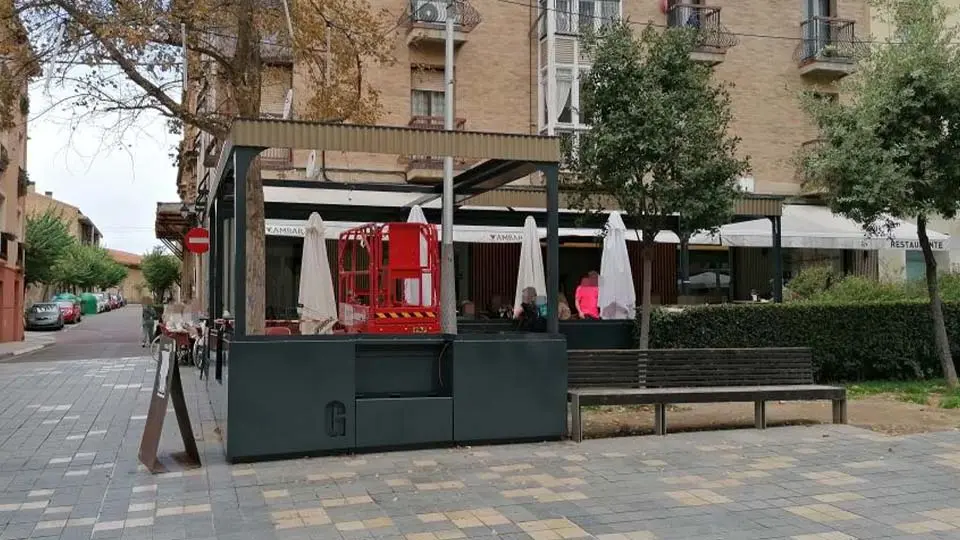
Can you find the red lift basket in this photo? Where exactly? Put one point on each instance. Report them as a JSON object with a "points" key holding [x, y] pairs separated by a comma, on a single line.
{"points": [[377, 263]]}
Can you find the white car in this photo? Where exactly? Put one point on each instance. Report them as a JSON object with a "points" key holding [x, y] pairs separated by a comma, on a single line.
{"points": [[102, 303]]}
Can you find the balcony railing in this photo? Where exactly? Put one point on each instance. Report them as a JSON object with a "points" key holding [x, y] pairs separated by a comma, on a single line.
{"points": [[828, 39], [434, 123], [23, 183], [574, 18], [705, 20]]}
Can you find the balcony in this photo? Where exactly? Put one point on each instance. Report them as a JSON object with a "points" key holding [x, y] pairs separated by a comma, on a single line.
{"points": [[578, 18], [211, 154], [713, 39], [23, 183], [426, 20], [8, 240], [429, 169], [807, 150], [275, 158], [828, 48]]}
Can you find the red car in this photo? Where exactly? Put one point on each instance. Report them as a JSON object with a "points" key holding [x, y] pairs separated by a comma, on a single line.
{"points": [[70, 310]]}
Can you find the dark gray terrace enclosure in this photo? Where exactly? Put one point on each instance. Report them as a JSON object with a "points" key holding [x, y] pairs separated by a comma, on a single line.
{"points": [[277, 396]]}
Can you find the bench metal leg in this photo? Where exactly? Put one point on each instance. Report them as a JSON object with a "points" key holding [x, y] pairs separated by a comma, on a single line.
{"points": [[840, 411], [576, 427], [760, 414], [660, 420]]}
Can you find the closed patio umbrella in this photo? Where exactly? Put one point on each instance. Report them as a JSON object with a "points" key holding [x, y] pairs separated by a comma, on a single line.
{"points": [[530, 273], [318, 306], [618, 299], [412, 287]]}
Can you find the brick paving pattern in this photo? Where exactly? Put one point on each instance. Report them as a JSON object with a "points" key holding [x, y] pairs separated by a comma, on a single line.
{"points": [[70, 430]]}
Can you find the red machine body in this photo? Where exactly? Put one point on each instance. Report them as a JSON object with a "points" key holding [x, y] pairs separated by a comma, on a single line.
{"points": [[377, 264]]}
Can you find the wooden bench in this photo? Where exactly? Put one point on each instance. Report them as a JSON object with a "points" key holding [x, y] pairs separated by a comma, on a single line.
{"points": [[661, 377]]}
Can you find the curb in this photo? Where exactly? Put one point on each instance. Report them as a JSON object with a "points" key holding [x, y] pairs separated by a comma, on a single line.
{"points": [[28, 350]]}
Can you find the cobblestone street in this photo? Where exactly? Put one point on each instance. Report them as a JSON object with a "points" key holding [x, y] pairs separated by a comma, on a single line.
{"points": [[70, 430]]}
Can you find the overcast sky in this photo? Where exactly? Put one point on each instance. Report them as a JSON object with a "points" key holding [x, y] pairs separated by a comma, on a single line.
{"points": [[118, 190]]}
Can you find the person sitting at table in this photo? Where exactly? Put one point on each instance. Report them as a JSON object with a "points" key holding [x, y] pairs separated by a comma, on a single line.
{"points": [[587, 296], [468, 311], [563, 308], [528, 318]]}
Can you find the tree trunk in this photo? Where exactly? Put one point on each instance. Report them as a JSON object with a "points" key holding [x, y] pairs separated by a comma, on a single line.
{"points": [[256, 253], [936, 305], [646, 283], [247, 97]]}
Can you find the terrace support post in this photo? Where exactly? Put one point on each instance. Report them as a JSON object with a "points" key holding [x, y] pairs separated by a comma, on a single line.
{"points": [[684, 264], [777, 259], [213, 259], [552, 173], [216, 270], [242, 157]]}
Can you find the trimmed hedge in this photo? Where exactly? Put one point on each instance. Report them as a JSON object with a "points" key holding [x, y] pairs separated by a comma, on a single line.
{"points": [[849, 342]]}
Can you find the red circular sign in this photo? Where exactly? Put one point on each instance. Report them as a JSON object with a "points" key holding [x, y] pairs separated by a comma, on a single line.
{"points": [[197, 240]]}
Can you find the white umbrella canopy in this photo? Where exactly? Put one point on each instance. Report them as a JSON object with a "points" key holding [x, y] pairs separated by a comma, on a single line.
{"points": [[413, 287], [318, 309], [618, 299], [530, 273]]}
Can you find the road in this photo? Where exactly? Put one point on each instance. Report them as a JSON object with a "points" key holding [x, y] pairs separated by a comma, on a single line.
{"points": [[115, 334]]}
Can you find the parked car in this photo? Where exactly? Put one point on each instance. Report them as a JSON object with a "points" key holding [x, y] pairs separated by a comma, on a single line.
{"points": [[102, 303], [70, 310], [44, 315]]}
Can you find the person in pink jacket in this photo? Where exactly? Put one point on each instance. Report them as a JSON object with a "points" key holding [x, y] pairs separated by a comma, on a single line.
{"points": [[587, 296]]}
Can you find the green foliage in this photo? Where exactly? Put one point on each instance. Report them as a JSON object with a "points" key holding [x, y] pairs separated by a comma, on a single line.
{"points": [[47, 241], [658, 142], [882, 341], [862, 290], [161, 271], [891, 149], [812, 281], [88, 268]]}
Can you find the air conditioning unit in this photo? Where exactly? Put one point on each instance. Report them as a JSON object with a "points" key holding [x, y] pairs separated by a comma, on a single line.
{"points": [[430, 11]]}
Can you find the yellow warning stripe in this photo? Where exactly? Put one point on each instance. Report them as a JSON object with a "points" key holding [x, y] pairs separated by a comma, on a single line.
{"points": [[407, 315]]}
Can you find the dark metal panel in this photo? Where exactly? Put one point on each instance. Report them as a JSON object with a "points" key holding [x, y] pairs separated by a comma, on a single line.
{"points": [[392, 422], [664, 286], [509, 387], [493, 273], [391, 368], [290, 397]]}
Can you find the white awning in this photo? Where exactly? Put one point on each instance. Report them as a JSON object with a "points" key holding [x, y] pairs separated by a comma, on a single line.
{"points": [[472, 234], [816, 227]]}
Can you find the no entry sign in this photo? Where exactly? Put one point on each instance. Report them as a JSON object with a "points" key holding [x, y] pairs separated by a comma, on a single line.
{"points": [[197, 240]]}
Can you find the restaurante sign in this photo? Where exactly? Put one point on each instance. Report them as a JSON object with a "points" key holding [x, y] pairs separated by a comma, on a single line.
{"points": [[895, 243]]}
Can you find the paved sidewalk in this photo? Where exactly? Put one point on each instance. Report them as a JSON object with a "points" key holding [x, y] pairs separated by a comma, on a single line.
{"points": [[32, 342], [69, 434]]}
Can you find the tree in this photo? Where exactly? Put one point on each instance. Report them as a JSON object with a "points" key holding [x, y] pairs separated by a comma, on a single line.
{"points": [[88, 267], [658, 143], [125, 59], [161, 271], [891, 150], [47, 241]]}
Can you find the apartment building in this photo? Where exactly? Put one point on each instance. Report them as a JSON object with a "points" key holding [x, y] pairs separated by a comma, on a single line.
{"points": [[78, 225], [16, 64], [517, 70]]}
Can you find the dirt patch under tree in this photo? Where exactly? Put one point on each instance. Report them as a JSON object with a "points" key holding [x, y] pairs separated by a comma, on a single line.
{"points": [[881, 413]]}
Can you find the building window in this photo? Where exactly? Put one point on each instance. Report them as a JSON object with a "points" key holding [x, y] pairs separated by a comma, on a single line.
{"points": [[564, 104], [915, 267], [426, 103]]}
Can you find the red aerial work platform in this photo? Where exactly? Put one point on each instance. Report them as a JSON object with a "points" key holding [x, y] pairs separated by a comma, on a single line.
{"points": [[377, 263]]}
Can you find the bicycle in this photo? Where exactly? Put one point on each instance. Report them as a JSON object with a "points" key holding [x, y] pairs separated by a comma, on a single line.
{"points": [[183, 351]]}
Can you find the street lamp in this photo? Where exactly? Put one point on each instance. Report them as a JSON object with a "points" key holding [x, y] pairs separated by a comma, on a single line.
{"points": [[185, 211]]}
